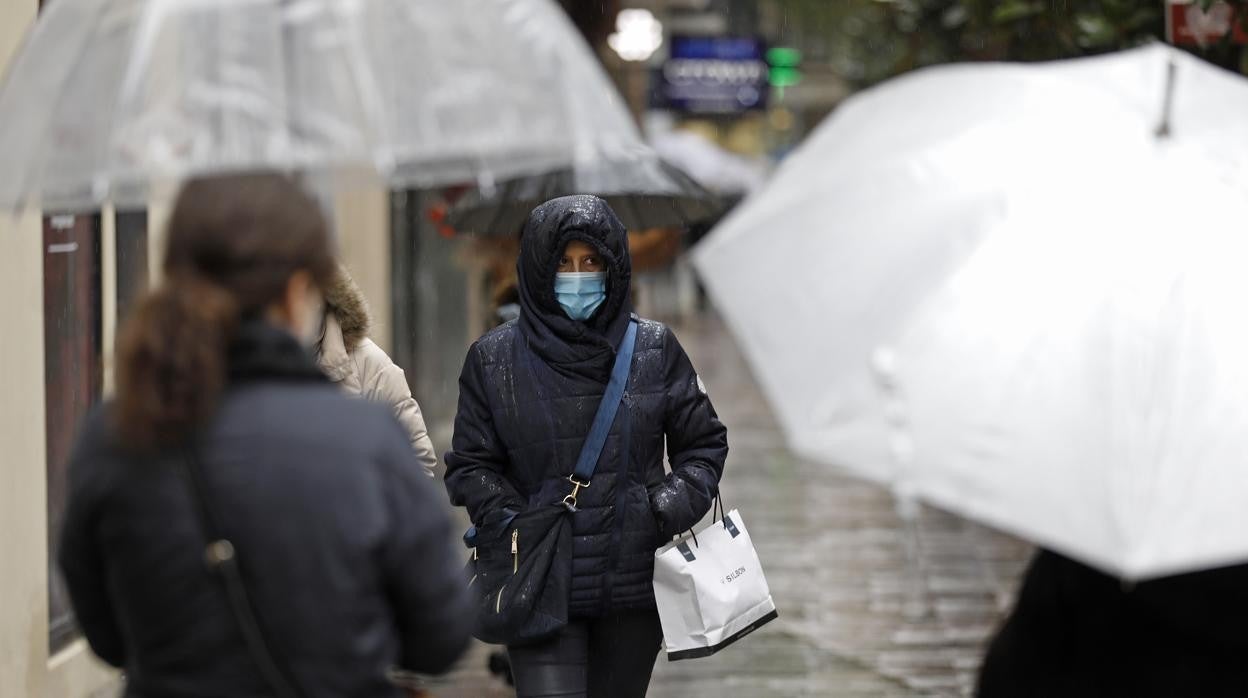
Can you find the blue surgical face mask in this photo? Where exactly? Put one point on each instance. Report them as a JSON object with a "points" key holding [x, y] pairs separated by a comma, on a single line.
{"points": [[581, 293]]}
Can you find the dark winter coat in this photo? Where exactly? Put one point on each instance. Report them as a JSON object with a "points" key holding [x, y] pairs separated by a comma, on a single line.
{"points": [[528, 394], [344, 543], [1077, 632]]}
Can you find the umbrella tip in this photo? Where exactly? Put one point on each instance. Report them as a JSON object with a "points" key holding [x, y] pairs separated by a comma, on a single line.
{"points": [[1163, 128]]}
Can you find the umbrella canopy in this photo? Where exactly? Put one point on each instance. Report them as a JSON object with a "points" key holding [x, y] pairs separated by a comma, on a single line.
{"points": [[997, 288], [108, 97], [611, 161], [710, 165], [644, 191]]}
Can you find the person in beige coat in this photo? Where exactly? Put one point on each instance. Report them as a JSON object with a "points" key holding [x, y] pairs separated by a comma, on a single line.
{"points": [[351, 360]]}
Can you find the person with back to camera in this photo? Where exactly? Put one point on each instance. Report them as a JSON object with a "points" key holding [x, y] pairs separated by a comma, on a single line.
{"points": [[237, 526]]}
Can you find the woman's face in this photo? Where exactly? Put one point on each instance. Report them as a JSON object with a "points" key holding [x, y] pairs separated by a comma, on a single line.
{"points": [[580, 257]]}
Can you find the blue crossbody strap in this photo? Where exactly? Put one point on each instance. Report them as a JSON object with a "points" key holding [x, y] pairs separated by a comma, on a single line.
{"points": [[591, 451]]}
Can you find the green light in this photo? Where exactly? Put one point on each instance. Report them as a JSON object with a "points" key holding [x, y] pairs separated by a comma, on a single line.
{"points": [[784, 57], [784, 77]]}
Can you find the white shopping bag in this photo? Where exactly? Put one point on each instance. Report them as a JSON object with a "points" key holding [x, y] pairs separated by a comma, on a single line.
{"points": [[710, 590]]}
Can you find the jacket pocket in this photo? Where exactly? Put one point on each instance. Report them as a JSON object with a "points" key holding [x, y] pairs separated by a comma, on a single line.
{"points": [[646, 518]]}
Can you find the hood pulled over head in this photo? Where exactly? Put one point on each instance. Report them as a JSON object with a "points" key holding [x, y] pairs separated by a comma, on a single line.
{"points": [[585, 349]]}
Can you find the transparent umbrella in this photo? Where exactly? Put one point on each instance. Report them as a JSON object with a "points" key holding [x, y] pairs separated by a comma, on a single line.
{"points": [[108, 98]]}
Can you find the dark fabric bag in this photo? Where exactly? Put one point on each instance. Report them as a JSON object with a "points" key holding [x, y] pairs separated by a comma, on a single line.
{"points": [[521, 564]]}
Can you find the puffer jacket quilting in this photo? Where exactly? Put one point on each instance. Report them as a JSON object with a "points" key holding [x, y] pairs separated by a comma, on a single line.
{"points": [[538, 422]]}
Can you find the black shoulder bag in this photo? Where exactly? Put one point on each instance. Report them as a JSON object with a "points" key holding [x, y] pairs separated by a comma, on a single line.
{"points": [[521, 564], [219, 557]]}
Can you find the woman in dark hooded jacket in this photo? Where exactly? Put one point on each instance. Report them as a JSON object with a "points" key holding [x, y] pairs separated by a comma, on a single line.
{"points": [[528, 394]]}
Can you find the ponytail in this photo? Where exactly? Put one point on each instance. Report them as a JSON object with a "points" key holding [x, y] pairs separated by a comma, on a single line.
{"points": [[233, 244], [171, 367]]}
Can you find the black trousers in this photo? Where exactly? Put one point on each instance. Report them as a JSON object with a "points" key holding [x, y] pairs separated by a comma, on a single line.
{"points": [[609, 657]]}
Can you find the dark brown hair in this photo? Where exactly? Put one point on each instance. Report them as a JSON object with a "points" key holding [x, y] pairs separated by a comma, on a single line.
{"points": [[233, 243]]}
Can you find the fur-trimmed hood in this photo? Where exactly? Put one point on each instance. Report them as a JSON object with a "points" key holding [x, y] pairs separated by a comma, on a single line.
{"points": [[345, 328], [346, 301]]}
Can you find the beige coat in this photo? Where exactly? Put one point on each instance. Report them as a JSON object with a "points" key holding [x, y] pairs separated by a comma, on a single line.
{"points": [[349, 358]]}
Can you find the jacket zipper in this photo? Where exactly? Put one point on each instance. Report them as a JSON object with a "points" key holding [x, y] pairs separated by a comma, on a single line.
{"points": [[515, 551], [515, 567]]}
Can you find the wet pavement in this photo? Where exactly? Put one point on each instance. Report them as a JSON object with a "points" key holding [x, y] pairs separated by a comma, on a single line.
{"points": [[859, 616]]}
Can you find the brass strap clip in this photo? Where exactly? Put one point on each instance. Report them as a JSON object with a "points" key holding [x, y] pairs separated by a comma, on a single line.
{"points": [[570, 500]]}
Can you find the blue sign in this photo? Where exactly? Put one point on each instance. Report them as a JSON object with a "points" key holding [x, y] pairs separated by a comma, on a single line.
{"points": [[715, 75]]}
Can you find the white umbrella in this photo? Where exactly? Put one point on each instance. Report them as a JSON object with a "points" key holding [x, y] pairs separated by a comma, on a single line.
{"points": [[996, 288], [108, 97]]}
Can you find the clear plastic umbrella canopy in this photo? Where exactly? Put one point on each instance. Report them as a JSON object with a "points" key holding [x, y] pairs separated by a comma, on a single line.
{"points": [[110, 97], [998, 288]]}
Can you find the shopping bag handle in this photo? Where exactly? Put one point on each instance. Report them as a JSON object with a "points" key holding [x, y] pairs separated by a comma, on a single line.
{"points": [[716, 506]]}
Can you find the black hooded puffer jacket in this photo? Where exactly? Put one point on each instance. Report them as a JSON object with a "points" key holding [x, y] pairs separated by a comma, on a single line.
{"points": [[528, 395]]}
